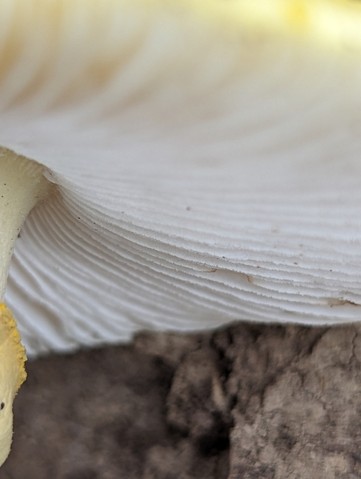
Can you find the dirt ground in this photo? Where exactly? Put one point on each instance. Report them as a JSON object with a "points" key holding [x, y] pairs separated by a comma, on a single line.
{"points": [[247, 402]]}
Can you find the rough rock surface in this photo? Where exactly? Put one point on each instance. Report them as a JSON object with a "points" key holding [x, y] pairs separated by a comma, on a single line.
{"points": [[247, 402]]}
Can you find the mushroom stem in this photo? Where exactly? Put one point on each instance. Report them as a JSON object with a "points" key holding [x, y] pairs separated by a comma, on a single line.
{"points": [[12, 375], [22, 185]]}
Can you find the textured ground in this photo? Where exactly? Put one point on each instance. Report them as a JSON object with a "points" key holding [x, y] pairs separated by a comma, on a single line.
{"points": [[245, 402]]}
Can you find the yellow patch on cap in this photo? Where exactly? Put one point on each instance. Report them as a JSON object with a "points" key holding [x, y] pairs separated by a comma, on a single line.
{"points": [[327, 22]]}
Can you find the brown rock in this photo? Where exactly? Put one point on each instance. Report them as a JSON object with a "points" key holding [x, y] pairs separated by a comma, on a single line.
{"points": [[246, 402]]}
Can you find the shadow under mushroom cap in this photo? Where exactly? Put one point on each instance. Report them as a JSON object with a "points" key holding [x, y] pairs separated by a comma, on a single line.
{"points": [[204, 173]]}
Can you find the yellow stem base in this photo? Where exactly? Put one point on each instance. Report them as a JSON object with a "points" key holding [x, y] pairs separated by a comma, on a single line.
{"points": [[12, 375]]}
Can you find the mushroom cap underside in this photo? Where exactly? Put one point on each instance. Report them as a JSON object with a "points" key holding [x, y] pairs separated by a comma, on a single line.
{"points": [[206, 165]]}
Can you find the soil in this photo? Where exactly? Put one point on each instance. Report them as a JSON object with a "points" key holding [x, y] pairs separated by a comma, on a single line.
{"points": [[246, 402]]}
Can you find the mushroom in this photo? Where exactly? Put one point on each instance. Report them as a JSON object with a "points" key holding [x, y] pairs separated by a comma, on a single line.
{"points": [[192, 164]]}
